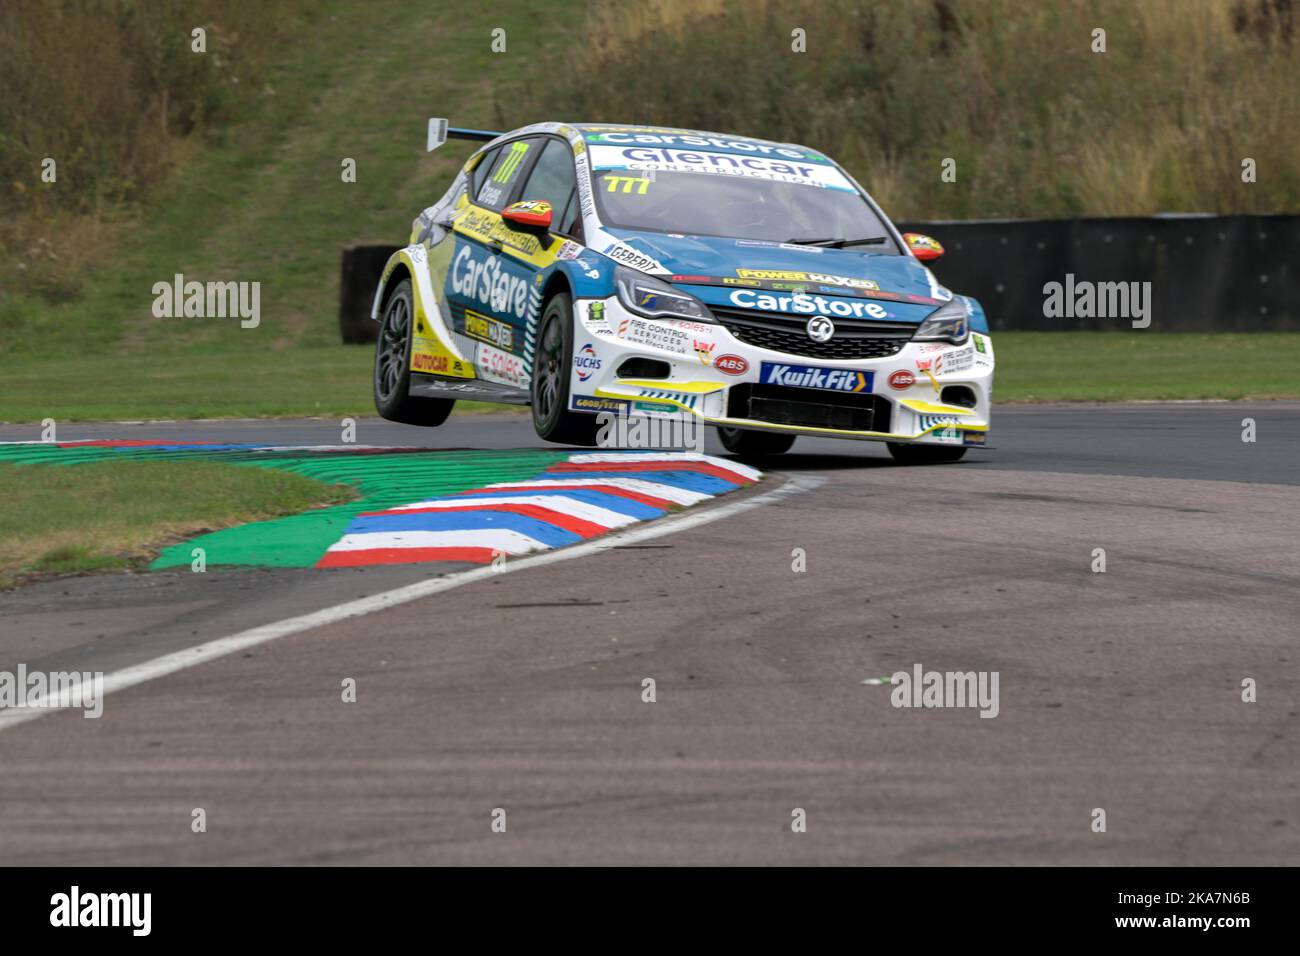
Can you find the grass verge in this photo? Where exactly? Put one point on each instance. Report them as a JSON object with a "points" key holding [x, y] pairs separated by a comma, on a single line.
{"points": [[1120, 366], [328, 381], [116, 515], [263, 200], [306, 381]]}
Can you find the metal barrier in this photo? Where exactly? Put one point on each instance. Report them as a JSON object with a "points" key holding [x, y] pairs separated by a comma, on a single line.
{"points": [[362, 267], [1206, 273]]}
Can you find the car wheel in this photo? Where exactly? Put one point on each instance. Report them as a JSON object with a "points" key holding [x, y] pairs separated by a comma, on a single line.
{"points": [[754, 444], [552, 419], [906, 453], [392, 377]]}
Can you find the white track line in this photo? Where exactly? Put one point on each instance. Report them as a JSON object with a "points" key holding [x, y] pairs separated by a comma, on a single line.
{"points": [[497, 539], [211, 650], [655, 489], [563, 504]]}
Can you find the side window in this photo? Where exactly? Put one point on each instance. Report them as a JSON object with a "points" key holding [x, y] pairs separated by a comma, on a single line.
{"points": [[481, 171], [552, 179], [500, 182]]}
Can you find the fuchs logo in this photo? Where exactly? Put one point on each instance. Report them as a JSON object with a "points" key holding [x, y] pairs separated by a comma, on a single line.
{"points": [[806, 376], [731, 365], [586, 363], [821, 329], [902, 379]]}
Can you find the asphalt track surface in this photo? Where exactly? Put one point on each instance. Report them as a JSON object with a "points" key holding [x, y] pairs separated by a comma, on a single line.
{"points": [[523, 691]]}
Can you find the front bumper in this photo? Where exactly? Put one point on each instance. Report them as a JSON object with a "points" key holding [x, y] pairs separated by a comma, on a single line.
{"points": [[928, 393]]}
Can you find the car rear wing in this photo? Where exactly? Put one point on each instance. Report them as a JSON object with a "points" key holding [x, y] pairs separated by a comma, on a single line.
{"points": [[440, 132]]}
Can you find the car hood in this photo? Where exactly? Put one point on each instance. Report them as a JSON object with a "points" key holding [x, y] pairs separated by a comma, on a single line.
{"points": [[715, 269]]}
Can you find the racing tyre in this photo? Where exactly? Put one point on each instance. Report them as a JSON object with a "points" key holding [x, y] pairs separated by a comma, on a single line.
{"points": [[754, 444], [392, 377], [909, 454], [552, 419]]}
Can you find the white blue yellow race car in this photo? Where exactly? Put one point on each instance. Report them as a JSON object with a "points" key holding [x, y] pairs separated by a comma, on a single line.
{"points": [[752, 285]]}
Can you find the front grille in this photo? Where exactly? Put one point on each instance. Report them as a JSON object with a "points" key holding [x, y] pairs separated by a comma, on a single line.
{"points": [[808, 407], [853, 339]]}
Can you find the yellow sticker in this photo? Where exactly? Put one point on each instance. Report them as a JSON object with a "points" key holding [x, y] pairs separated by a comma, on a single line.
{"points": [[627, 184], [511, 163], [487, 226], [430, 356]]}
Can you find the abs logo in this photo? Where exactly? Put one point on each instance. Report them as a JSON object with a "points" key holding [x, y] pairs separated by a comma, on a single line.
{"points": [[903, 378], [731, 364], [806, 376], [586, 362]]}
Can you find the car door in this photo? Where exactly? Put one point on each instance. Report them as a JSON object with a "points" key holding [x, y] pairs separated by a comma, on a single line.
{"points": [[551, 179], [487, 284], [496, 266]]}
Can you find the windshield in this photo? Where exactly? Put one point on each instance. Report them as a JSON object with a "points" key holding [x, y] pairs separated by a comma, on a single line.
{"points": [[739, 206]]}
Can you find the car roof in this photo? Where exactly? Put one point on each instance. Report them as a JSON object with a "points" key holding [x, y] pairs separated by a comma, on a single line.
{"points": [[593, 132]]}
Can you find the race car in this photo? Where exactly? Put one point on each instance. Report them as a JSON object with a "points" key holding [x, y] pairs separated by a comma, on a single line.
{"points": [[752, 285]]}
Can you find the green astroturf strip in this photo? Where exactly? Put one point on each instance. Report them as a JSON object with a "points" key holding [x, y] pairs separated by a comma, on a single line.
{"points": [[383, 480]]}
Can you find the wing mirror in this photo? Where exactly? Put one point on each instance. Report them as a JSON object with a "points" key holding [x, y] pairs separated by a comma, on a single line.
{"points": [[923, 247], [529, 215]]}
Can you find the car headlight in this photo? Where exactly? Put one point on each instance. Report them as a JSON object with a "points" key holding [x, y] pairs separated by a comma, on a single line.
{"points": [[948, 323], [648, 296]]}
